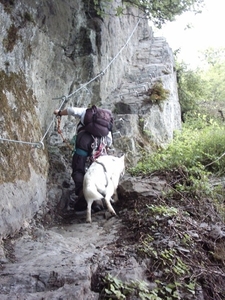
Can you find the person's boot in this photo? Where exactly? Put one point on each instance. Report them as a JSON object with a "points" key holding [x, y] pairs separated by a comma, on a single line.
{"points": [[80, 202]]}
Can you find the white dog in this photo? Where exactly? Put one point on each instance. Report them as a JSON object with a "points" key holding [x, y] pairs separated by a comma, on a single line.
{"points": [[101, 181]]}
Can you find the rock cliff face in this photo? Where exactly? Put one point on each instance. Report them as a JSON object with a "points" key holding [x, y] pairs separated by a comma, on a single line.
{"points": [[51, 49]]}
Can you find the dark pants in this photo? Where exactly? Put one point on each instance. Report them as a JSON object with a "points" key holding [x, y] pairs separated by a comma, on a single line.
{"points": [[84, 142]]}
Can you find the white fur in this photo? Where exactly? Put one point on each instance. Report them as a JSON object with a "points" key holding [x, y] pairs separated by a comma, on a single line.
{"points": [[99, 184]]}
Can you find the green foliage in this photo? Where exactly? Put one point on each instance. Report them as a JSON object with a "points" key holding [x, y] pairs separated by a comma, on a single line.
{"points": [[158, 11], [117, 289], [28, 17], [195, 154], [213, 56], [157, 93], [214, 74], [173, 266], [162, 11], [191, 88], [198, 89], [119, 10], [101, 6], [211, 141], [162, 210], [195, 149]]}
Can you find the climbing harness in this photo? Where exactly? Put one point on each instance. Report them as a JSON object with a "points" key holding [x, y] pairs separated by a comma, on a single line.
{"points": [[99, 147]]}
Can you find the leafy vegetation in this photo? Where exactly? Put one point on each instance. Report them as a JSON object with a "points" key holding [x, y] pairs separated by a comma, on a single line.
{"points": [[192, 165], [174, 232], [198, 88], [157, 93], [117, 289], [197, 146], [159, 12], [213, 74], [191, 88]]}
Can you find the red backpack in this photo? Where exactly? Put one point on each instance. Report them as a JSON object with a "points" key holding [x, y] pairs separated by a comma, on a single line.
{"points": [[98, 121]]}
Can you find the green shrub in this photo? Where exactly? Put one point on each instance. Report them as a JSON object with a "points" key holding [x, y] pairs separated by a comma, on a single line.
{"points": [[200, 145], [156, 93]]}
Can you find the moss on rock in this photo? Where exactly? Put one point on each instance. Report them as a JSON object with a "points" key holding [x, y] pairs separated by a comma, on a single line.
{"points": [[19, 122]]}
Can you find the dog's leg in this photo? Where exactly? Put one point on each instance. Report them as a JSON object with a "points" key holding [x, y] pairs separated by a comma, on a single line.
{"points": [[115, 197], [110, 191], [109, 206], [88, 218]]}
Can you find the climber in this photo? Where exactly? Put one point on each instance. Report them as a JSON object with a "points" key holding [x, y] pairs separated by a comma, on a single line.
{"points": [[89, 132]]}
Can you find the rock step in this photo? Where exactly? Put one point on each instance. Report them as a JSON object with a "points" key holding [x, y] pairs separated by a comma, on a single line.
{"points": [[152, 60]]}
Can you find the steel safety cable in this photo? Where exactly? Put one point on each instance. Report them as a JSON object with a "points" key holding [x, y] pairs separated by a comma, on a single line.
{"points": [[66, 98], [109, 64]]}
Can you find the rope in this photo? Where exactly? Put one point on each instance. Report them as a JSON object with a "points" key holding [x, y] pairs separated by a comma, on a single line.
{"points": [[37, 145], [66, 98], [60, 132]]}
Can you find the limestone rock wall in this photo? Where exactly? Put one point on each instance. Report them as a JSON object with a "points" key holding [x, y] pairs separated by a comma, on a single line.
{"points": [[49, 49]]}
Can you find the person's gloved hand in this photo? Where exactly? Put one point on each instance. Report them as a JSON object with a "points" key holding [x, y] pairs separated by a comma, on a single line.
{"points": [[56, 111]]}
